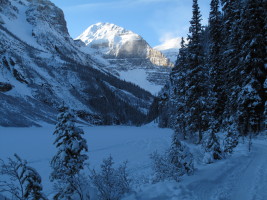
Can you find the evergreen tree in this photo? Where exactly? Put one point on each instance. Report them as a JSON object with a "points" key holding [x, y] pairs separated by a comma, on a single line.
{"points": [[217, 71], [215, 30], [197, 78], [194, 36], [231, 141], [178, 81], [251, 95], [180, 156], [230, 57], [70, 158], [212, 147], [181, 58]]}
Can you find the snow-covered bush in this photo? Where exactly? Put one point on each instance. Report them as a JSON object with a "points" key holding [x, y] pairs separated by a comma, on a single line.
{"points": [[111, 183], [174, 163], [212, 148], [75, 187], [70, 157], [21, 181], [163, 169], [230, 142]]}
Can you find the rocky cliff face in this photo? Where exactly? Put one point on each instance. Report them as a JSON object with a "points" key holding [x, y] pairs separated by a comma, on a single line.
{"points": [[41, 67], [125, 51], [158, 59]]}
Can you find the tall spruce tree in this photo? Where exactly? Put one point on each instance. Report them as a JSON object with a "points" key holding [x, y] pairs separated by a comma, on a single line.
{"points": [[217, 71], [230, 57], [252, 95], [178, 79], [70, 157], [197, 88]]}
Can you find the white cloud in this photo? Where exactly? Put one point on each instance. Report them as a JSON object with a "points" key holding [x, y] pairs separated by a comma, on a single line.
{"points": [[170, 43], [167, 36]]}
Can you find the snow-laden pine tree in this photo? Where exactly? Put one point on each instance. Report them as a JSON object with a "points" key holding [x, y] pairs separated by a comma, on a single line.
{"points": [[212, 146], [197, 79], [217, 93], [253, 72], [215, 35], [22, 181], [70, 158], [230, 56], [178, 86], [180, 156], [230, 141]]}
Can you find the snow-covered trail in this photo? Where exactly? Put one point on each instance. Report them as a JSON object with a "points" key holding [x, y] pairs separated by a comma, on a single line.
{"points": [[241, 177]]}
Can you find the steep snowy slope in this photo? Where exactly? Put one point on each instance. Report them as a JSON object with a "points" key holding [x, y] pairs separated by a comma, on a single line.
{"points": [[125, 52], [41, 66], [170, 48]]}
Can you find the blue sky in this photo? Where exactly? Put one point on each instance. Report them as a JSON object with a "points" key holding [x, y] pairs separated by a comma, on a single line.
{"points": [[155, 20]]}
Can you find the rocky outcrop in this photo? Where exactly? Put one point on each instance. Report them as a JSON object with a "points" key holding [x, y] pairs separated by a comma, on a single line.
{"points": [[157, 58], [5, 87]]}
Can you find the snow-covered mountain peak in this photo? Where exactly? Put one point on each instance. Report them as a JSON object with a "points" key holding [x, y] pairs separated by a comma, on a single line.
{"points": [[116, 42], [126, 55], [102, 33]]}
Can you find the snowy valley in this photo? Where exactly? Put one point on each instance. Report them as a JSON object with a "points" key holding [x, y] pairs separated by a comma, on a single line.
{"points": [[41, 66]]}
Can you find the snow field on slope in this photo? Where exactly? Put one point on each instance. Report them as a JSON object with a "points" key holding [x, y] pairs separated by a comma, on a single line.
{"points": [[242, 176], [20, 27], [139, 77]]}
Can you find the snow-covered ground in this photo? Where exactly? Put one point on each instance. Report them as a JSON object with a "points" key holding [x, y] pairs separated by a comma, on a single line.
{"points": [[242, 176]]}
